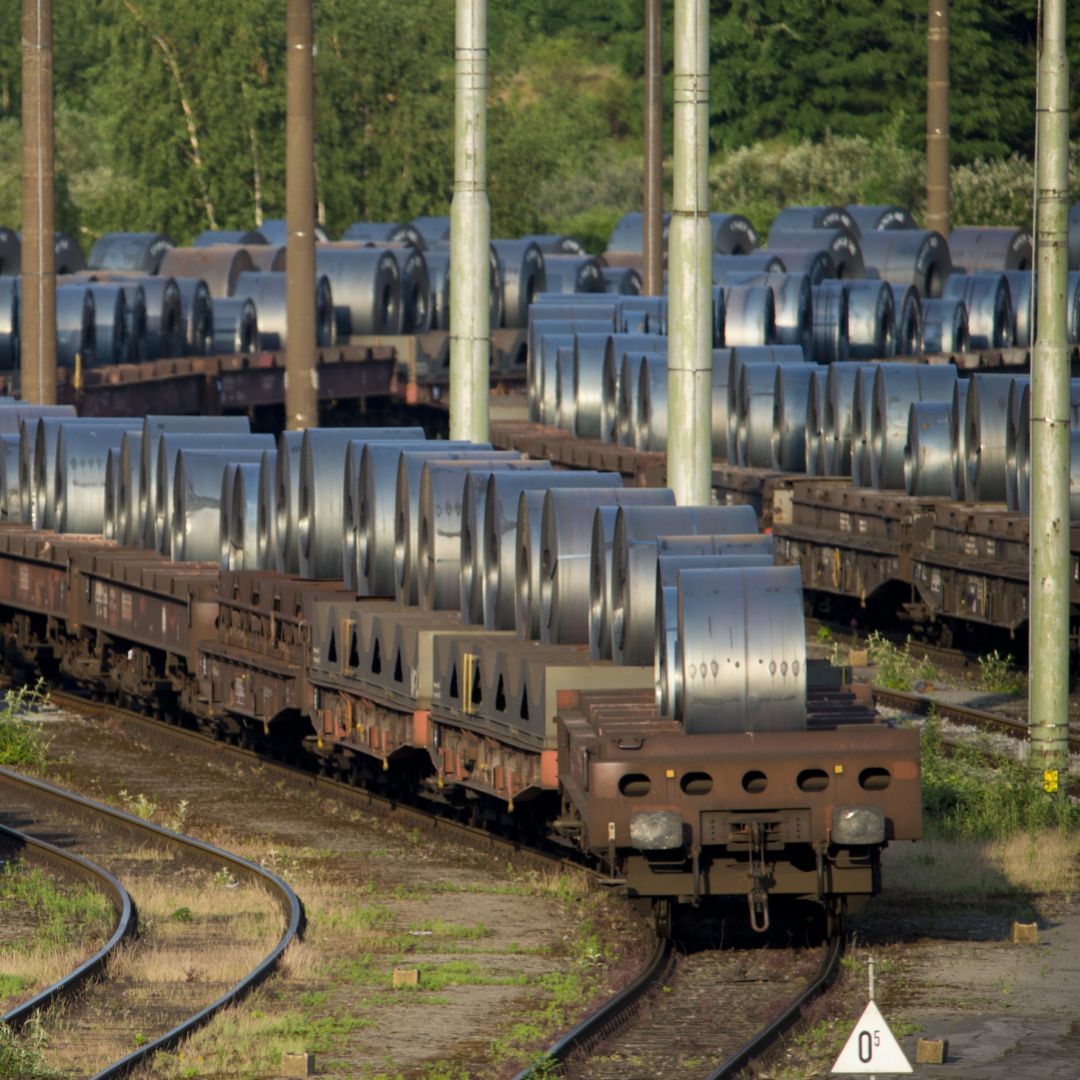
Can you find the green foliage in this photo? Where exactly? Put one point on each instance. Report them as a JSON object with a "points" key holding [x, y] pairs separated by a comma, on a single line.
{"points": [[21, 1055], [60, 917], [973, 794], [898, 669], [998, 676], [22, 741]]}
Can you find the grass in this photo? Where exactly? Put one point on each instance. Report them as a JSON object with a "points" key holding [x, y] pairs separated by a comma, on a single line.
{"points": [[898, 669], [21, 1056], [23, 744], [998, 676]]}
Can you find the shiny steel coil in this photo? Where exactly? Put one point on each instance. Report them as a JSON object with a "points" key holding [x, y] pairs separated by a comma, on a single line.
{"points": [[909, 323], [379, 232], [627, 605], [522, 275], [110, 324], [322, 476], [78, 480], [164, 317], [733, 234], [959, 417], [565, 402], [127, 525], [267, 292], [986, 422], [791, 394], [135, 319], [266, 514], [945, 326], [27, 418], [629, 390], [757, 262], [9, 478], [527, 569], [1023, 448], [112, 485], [375, 503], [13, 413], [69, 256], [241, 528], [676, 546], [814, 217], [270, 260], [430, 230], [754, 416], [719, 316], [1024, 479], [721, 372], [642, 315], [543, 371], [651, 430], [437, 565], [589, 350], [286, 502], [1023, 307], [816, 266], [918, 257], [621, 280], [573, 274], [75, 328], [551, 244], [196, 316], [748, 354], [1021, 386], [930, 450], [629, 233], [618, 347], [195, 518], [742, 650], [561, 564], [9, 323], [131, 251], [494, 552], [38, 499], [415, 288], [896, 386], [842, 244], [234, 327], [871, 218], [871, 320], [387, 543], [242, 237], [830, 315], [366, 287], [749, 315], [276, 232], [794, 314], [438, 267], [169, 445], [839, 410], [989, 308], [977, 247], [219, 266], [141, 512], [862, 411], [815, 445]]}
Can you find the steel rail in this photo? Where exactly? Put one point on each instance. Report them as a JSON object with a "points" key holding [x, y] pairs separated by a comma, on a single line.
{"points": [[290, 904], [125, 923]]}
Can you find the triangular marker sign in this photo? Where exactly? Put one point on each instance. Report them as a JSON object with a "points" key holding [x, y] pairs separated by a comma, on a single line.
{"points": [[871, 1048]]}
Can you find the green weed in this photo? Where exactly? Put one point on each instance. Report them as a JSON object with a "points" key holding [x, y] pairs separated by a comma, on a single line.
{"points": [[998, 676], [61, 918], [21, 1055], [898, 669], [22, 740]]}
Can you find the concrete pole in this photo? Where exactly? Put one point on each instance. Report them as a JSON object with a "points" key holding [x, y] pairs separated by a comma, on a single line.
{"points": [[470, 231], [301, 370], [38, 268], [1049, 580], [689, 458], [653, 224], [937, 117]]}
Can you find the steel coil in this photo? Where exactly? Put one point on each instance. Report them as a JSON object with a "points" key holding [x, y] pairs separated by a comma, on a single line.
{"points": [[815, 445], [110, 325], [732, 234], [871, 320], [494, 589], [164, 317], [415, 285], [749, 315], [842, 244], [135, 320], [830, 315], [896, 386], [986, 423], [319, 525], [286, 502], [629, 233], [381, 232], [388, 558], [791, 395], [839, 407], [959, 417], [573, 274], [240, 237], [930, 450], [169, 445], [976, 248], [75, 326], [68, 254], [918, 257], [1022, 451], [757, 262], [565, 403], [522, 276], [589, 350], [909, 321], [218, 266], [269, 260], [814, 217], [1021, 387], [621, 280], [196, 316], [754, 415], [562, 563], [816, 266], [879, 217], [27, 417], [651, 430], [748, 354], [112, 488], [234, 327], [9, 478], [794, 314], [742, 650], [618, 347], [267, 292], [862, 411], [546, 337], [721, 372], [430, 230], [366, 287], [437, 564], [195, 519], [127, 525], [527, 535], [1024, 479], [945, 326], [629, 390], [989, 308], [133, 252], [642, 315], [438, 267], [556, 244], [240, 524], [13, 413], [266, 515], [1023, 307], [142, 513], [625, 608], [9, 323]]}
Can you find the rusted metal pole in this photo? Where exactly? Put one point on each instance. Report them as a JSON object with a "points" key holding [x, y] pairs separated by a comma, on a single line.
{"points": [[301, 370], [38, 269], [470, 230], [1049, 525], [937, 117], [653, 223], [689, 451]]}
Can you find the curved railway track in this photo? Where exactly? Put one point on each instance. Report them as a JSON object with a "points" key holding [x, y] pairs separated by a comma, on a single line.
{"points": [[43, 808]]}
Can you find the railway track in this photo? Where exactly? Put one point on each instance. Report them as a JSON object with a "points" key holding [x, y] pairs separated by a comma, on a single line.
{"points": [[135, 1004]]}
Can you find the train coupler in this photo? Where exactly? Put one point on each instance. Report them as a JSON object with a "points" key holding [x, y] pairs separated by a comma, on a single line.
{"points": [[758, 897]]}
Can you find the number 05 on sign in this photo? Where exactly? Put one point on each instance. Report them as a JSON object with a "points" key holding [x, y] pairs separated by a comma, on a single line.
{"points": [[871, 1048]]}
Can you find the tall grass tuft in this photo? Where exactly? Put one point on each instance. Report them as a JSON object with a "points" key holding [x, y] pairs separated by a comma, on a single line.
{"points": [[22, 741]]}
